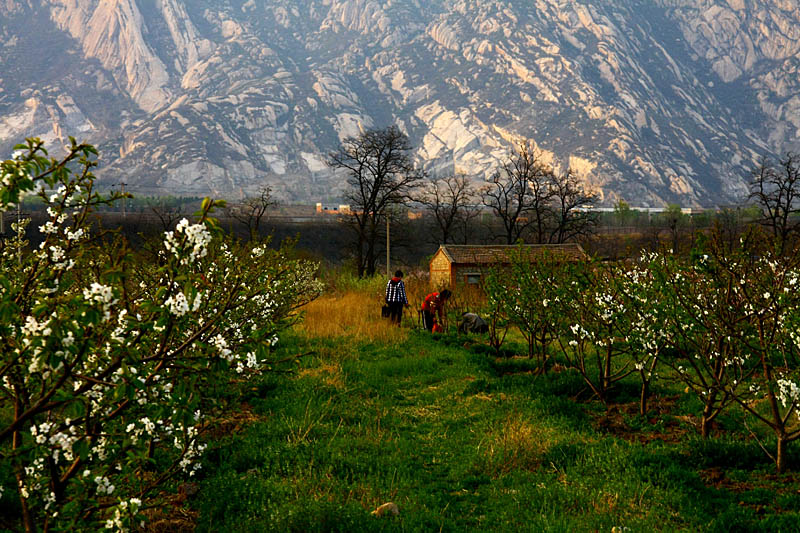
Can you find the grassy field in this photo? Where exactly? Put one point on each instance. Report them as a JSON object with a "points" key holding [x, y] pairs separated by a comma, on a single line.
{"points": [[461, 440]]}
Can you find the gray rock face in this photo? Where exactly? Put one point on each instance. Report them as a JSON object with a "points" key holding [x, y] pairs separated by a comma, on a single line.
{"points": [[651, 101]]}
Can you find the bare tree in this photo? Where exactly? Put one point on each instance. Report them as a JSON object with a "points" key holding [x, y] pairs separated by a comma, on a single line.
{"points": [[730, 223], [519, 194], [451, 200], [167, 213], [251, 211], [466, 223], [572, 215], [380, 174], [776, 190]]}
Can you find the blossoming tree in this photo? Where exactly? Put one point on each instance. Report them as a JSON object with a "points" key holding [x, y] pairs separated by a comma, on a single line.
{"points": [[766, 363], [528, 295], [597, 339], [104, 357], [642, 299]]}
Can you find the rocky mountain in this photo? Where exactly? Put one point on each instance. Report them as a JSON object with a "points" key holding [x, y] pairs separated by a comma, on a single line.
{"points": [[651, 101]]}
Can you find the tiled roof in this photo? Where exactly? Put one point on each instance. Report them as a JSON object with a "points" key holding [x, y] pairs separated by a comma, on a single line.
{"points": [[490, 254]]}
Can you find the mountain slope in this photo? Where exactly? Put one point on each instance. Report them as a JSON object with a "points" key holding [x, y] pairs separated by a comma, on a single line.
{"points": [[651, 101]]}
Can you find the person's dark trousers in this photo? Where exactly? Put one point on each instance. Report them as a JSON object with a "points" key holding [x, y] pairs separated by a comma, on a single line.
{"points": [[396, 311], [427, 320]]}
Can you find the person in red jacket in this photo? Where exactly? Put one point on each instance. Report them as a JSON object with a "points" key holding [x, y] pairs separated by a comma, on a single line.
{"points": [[434, 306]]}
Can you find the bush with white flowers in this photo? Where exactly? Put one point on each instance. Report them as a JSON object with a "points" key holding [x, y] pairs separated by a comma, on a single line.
{"points": [[105, 356]]}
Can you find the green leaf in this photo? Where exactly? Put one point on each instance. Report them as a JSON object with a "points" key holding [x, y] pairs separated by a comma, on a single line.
{"points": [[82, 449]]}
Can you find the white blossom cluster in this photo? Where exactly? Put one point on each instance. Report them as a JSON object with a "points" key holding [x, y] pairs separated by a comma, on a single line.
{"points": [[104, 486], [126, 509], [12, 172], [97, 293], [186, 441], [251, 362], [177, 304], [221, 345], [188, 242], [788, 392]]}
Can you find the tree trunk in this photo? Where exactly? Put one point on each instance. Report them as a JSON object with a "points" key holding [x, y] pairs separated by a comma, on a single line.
{"points": [[643, 396], [544, 356], [16, 442], [607, 370], [780, 455], [705, 422], [705, 425], [360, 257]]}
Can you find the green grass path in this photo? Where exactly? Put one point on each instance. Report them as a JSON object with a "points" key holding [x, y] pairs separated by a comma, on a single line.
{"points": [[460, 442]]}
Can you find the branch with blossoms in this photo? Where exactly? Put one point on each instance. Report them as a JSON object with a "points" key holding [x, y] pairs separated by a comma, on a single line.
{"points": [[766, 286]]}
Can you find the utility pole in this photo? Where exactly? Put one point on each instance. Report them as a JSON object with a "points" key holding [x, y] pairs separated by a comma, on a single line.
{"points": [[123, 198], [387, 245]]}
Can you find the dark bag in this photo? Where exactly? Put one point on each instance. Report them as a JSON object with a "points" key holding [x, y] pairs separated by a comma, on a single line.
{"points": [[385, 311]]}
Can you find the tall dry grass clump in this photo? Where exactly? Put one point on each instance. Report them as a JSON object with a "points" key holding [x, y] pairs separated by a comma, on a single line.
{"points": [[351, 307], [354, 314], [466, 299], [516, 444]]}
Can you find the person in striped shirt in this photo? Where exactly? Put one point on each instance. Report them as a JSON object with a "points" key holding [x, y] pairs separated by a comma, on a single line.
{"points": [[396, 297]]}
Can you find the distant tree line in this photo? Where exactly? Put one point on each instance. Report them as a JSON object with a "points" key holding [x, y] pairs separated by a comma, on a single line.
{"points": [[528, 200]]}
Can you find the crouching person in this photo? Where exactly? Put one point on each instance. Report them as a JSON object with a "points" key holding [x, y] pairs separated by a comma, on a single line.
{"points": [[433, 307], [472, 323]]}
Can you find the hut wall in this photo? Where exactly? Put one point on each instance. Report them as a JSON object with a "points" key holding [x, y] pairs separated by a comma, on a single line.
{"points": [[440, 271]]}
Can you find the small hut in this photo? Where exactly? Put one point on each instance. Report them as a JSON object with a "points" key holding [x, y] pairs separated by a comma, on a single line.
{"points": [[454, 264]]}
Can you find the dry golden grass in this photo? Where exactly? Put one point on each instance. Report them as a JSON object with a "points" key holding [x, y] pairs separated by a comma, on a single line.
{"points": [[353, 314], [517, 445], [604, 502], [331, 374], [467, 299]]}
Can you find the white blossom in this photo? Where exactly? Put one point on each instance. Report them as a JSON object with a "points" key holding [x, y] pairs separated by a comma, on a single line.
{"points": [[788, 392], [197, 238], [177, 304]]}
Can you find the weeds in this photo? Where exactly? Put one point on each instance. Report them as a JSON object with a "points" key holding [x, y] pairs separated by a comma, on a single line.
{"points": [[352, 315], [300, 428]]}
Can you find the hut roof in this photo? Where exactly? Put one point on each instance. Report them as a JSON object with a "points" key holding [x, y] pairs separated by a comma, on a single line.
{"points": [[492, 253]]}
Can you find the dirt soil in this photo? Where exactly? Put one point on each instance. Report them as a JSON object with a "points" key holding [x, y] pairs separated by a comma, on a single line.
{"points": [[666, 428]]}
